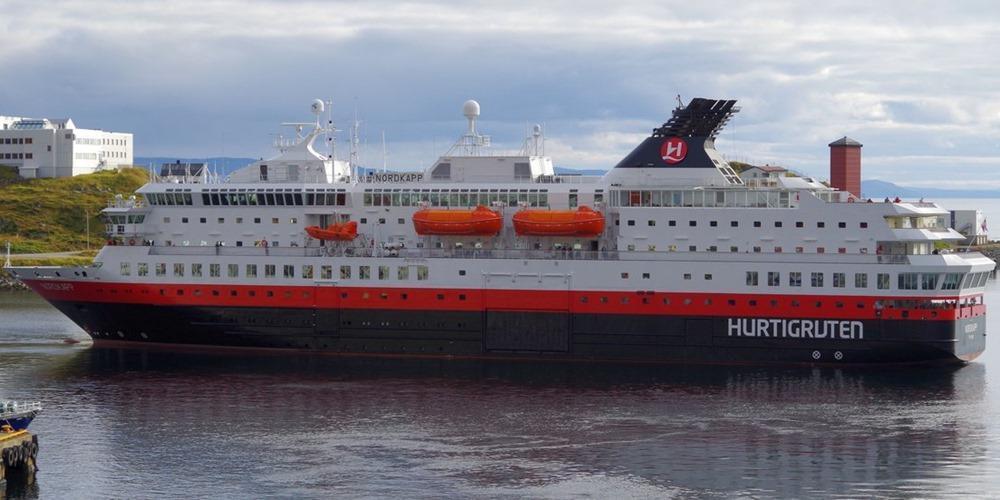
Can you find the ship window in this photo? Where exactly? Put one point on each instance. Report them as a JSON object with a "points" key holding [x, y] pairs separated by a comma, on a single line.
{"points": [[269, 293], [951, 281], [820, 250], [651, 223], [269, 271], [364, 220], [179, 270], [400, 221], [821, 224], [692, 223], [708, 277], [773, 278], [631, 223], [422, 273], [693, 248], [751, 278], [883, 281], [839, 280], [403, 273], [860, 280], [799, 249], [215, 293], [928, 281], [293, 220], [907, 281], [383, 272], [307, 271], [799, 224], [687, 276], [863, 225], [232, 270], [126, 269], [756, 249], [672, 223], [816, 280], [274, 220], [645, 276], [842, 225], [345, 272], [731, 302], [713, 223], [777, 223], [251, 270], [794, 278], [713, 248], [288, 271], [756, 223], [214, 270], [325, 272], [166, 220], [624, 276], [364, 272], [461, 272], [734, 223], [734, 249]]}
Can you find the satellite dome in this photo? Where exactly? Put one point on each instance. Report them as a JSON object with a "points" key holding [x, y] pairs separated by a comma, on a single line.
{"points": [[470, 109], [317, 106]]}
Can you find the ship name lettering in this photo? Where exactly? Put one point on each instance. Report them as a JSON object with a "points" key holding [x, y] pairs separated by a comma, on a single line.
{"points": [[796, 328]]}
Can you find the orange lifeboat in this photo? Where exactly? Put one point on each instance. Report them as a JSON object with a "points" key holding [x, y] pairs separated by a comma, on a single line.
{"points": [[479, 221], [346, 231], [582, 222]]}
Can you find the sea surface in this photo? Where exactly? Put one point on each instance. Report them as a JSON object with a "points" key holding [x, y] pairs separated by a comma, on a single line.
{"points": [[122, 423]]}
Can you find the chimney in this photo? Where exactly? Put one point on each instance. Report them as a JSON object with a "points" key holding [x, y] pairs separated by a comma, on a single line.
{"points": [[845, 165]]}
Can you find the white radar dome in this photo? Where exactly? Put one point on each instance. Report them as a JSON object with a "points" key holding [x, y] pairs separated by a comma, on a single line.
{"points": [[317, 106], [470, 109]]}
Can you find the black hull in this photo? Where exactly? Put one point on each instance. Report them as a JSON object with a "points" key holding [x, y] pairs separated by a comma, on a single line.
{"points": [[521, 334]]}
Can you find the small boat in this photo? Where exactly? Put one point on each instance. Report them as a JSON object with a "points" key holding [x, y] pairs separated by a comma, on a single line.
{"points": [[18, 415], [339, 231], [479, 221], [583, 222]]}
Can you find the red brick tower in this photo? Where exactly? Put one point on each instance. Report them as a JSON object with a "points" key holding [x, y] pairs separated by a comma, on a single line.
{"points": [[845, 165]]}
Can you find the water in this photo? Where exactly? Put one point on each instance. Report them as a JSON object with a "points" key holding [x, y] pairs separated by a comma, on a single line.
{"points": [[161, 423]]}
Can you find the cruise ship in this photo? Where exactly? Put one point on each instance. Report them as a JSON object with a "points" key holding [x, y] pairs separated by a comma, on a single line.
{"points": [[668, 257]]}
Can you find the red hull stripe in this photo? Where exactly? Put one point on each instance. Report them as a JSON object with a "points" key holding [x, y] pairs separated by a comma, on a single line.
{"points": [[578, 302]]}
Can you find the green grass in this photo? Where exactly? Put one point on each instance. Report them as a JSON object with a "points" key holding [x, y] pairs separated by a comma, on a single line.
{"points": [[49, 215]]}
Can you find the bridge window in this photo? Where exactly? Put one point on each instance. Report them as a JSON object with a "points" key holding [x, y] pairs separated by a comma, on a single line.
{"points": [[907, 281], [951, 281], [928, 281]]}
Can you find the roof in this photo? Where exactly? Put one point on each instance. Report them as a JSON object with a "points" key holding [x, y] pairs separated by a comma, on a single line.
{"points": [[845, 141], [769, 168]]}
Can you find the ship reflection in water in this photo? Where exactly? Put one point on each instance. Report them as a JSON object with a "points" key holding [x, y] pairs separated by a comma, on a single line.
{"points": [[220, 424]]}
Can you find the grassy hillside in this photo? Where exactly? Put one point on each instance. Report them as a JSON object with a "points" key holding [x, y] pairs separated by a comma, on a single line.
{"points": [[48, 215]]}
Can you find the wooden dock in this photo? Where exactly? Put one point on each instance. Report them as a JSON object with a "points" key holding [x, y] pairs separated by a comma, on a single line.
{"points": [[18, 451]]}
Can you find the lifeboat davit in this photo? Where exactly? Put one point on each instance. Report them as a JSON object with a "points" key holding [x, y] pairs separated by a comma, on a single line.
{"points": [[345, 231], [480, 221], [582, 222]]}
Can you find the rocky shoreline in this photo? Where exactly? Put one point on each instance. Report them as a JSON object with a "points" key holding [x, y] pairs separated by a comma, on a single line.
{"points": [[7, 282]]}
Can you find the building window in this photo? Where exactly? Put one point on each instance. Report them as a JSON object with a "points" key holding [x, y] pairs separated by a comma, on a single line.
{"points": [[288, 271], [251, 270], [794, 278], [817, 280], [345, 272], [214, 270], [860, 280], [839, 280], [751, 278], [773, 278]]}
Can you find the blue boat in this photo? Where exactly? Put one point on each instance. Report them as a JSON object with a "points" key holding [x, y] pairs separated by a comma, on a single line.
{"points": [[18, 415]]}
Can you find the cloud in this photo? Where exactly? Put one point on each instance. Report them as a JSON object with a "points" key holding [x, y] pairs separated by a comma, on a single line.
{"points": [[908, 79]]}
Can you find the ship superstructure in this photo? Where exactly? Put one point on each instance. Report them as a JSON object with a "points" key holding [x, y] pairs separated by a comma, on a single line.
{"points": [[669, 256]]}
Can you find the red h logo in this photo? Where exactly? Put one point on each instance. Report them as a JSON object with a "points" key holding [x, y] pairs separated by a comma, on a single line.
{"points": [[673, 150]]}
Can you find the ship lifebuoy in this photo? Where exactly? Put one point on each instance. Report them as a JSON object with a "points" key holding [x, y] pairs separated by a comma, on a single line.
{"points": [[131, 242], [263, 243]]}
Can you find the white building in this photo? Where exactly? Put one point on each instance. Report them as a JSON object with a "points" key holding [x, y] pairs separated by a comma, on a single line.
{"points": [[972, 225], [766, 172], [57, 148]]}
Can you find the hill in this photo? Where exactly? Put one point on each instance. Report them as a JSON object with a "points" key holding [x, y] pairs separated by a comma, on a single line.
{"points": [[50, 215], [877, 189]]}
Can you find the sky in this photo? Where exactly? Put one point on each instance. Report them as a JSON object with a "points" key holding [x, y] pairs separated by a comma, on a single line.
{"points": [[918, 83]]}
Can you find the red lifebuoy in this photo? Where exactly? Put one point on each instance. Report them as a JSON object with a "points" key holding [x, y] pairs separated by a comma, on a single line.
{"points": [[131, 242], [263, 243]]}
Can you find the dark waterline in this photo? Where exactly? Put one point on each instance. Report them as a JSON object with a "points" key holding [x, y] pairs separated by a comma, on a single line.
{"points": [[158, 423]]}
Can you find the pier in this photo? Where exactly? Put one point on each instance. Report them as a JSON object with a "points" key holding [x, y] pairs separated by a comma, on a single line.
{"points": [[18, 452]]}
